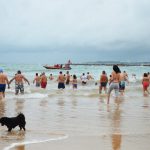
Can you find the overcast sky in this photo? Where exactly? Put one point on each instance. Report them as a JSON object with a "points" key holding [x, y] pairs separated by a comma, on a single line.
{"points": [[50, 31]]}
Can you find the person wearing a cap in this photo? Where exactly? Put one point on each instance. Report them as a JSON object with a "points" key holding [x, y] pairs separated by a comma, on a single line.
{"points": [[3, 82]]}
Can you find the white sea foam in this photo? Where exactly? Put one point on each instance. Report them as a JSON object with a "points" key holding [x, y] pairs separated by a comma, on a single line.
{"points": [[35, 142], [28, 96]]}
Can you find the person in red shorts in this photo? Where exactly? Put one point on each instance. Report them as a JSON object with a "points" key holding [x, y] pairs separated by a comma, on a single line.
{"points": [[145, 82], [43, 80], [103, 82]]}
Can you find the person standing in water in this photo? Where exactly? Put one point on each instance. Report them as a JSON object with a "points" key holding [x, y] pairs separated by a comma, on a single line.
{"points": [[83, 79], [67, 78], [103, 82], [145, 83], [61, 80], [89, 77], [37, 80], [115, 82], [3, 82], [51, 76], [19, 78], [43, 80], [74, 82], [122, 83]]}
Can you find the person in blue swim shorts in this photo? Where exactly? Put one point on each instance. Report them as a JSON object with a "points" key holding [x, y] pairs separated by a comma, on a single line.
{"points": [[3, 82]]}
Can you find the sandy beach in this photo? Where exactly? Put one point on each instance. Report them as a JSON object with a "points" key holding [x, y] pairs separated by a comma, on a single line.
{"points": [[105, 142]]}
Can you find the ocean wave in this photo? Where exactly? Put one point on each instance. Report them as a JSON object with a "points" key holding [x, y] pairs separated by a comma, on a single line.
{"points": [[35, 142], [28, 96]]}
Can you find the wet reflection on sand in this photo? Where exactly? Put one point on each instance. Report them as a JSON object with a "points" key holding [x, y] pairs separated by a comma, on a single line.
{"points": [[116, 120], [21, 147], [2, 108]]}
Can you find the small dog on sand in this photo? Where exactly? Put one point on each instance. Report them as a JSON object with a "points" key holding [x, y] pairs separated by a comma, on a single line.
{"points": [[13, 122]]}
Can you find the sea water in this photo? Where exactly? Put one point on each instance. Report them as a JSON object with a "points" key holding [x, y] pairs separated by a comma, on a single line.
{"points": [[53, 114]]}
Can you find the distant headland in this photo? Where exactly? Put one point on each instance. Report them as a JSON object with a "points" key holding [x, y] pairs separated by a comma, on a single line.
{"points": [[110, 63]]}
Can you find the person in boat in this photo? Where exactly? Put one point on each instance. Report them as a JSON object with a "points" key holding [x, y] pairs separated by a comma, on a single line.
{"points": [[67, 66], [19, 86], [61, 66]]}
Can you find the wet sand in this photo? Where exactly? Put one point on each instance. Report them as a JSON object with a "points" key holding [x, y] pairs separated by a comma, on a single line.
{"points": [[105, 142]]}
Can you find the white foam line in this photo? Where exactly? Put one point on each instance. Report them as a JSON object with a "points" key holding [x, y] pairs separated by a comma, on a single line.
{"points": [[34, 142]]}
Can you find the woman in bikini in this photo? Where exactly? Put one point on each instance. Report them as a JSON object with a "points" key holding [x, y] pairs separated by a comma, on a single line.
{"points": [[115, 82], [145, 82]]}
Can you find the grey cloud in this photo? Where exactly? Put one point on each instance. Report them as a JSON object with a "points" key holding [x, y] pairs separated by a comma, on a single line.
{"points": [[63, 25]]}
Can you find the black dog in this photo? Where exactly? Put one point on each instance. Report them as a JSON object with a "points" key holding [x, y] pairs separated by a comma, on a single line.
{"points": [[13, 122]]}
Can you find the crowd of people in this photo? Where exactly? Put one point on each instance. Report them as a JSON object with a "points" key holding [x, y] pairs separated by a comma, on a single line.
{"points": [[116, 81]]}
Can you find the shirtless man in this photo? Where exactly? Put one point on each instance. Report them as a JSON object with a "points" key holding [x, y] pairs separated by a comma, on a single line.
{"points": [[19, 78], [126, 76], [89, 76], [123, 79], [3, 81], [103, 82], [61, 81], [67, 78], [37, 80]]}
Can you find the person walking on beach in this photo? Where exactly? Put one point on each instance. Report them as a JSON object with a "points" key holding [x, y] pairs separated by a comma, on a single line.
{"points": [[74, 82], [61, 80], [3, 82], [37, 80], [103, 82], [43, 80], [115, 82], [145, 83], [19, 78], [67, 78]]}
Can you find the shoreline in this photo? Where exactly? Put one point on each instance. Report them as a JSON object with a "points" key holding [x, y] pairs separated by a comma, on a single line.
{"points": [[108, 142]]}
